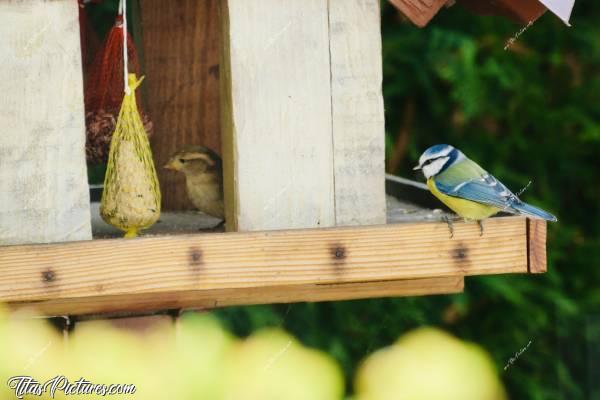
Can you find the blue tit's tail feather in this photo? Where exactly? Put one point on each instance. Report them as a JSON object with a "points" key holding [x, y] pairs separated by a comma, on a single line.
{"points": [[527, 209]]}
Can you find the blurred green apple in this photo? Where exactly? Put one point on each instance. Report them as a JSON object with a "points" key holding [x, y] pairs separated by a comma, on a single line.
{"points": [[201, 350], [29, 347], [429, 364], [271, 365]]}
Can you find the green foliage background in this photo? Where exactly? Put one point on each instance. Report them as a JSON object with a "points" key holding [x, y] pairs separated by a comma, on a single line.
{"points": [[529, 113]]}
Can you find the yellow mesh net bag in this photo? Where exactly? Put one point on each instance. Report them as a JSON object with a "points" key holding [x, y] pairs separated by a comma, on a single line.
{"points": [[131, 196]]}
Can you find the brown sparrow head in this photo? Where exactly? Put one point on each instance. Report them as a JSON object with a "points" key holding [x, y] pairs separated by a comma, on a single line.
{"points": [[203, 172]]}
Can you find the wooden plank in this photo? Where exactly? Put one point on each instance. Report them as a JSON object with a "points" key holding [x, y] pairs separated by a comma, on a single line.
{"points": [[420, 12], [44, 194], [219, 261], [277, 124], [536, 246], [357, 112], [208, 299], [181, 54]]}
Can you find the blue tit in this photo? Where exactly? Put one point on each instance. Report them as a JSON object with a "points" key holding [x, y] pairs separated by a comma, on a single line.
{"points": [[467, 189]]}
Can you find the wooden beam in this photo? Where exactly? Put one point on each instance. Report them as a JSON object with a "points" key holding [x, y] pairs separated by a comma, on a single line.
{"points": [[536, 246], [278, 161], [357, 112], [262, 260], [181, 54], [44, 195], [209, 299]]}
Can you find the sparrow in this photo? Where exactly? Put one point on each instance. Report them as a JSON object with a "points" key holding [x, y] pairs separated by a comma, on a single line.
{"points": [[203, 170]]}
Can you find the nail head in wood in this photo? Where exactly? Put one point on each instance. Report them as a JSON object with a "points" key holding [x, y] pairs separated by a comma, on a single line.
{"points": [[48, 276]]}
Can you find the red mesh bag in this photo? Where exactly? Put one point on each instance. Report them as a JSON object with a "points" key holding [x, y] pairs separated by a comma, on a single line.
{"points": [[105, 80], [104, 91]]}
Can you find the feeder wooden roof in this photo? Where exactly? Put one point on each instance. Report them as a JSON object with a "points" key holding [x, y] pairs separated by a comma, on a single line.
{"points": [[420, 12]]}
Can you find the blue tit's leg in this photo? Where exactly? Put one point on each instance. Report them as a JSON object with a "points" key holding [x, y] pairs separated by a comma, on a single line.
{"points": [[450, 222], [480, 222]]}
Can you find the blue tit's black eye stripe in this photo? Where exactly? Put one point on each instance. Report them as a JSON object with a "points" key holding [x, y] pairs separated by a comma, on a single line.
{"points": [[427, 162], [452, 156]]}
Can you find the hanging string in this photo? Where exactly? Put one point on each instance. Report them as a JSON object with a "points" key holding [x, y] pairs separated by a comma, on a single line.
{"points": [[123, 13]]}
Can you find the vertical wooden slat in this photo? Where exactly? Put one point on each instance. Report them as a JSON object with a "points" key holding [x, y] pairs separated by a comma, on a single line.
{"points": [[357, 112], [230, 191], [44, 196], [277, 122], [181, 51], [536, 246]]}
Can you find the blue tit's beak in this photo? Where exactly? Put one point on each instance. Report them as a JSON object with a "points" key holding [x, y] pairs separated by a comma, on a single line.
{"points": [[417, 168]]}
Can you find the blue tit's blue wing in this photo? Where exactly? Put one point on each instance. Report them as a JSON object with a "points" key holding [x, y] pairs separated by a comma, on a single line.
{"points": [[487, 190], [468, 180]]}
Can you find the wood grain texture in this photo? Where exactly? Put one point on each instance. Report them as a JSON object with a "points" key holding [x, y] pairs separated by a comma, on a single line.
{"points": [[536, 246], [44, 195], [228, 137], [209, 299], [262, 260], [181, 59], [357, 112], [278, 162], [420, 12]]}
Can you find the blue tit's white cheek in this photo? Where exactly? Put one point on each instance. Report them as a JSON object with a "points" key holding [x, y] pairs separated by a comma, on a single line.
{"points": [[434, 167]]}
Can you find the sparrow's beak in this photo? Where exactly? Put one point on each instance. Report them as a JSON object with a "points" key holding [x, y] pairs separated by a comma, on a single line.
{"points": [[417, 168], [168, 166]]}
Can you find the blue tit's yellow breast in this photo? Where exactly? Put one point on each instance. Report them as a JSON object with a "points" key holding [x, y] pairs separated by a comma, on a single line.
{"points": [[465, 208]]}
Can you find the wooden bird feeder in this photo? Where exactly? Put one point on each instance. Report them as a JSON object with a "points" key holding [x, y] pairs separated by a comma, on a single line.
{"points": [[290, 92]]}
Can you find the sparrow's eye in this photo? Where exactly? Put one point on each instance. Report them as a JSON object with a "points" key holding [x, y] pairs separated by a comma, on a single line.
{"points": [[182, 160]]}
